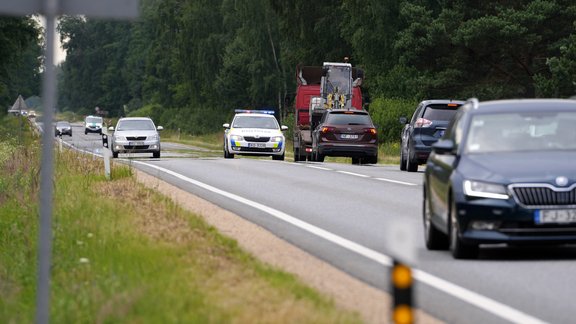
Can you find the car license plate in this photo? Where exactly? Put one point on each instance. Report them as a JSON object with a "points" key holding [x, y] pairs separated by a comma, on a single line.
{"points": [[257, 145], [349, 136], [136, 143], [548, 216]]}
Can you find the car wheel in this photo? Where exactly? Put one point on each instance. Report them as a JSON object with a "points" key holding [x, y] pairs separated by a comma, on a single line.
{"points": [[85, 133], [435, 239], [156, 155], [402, 159], [355, 160], [374, 160], [278, 157], [459, 249], [114, 154], [226, 154], [411, 164], [319, 157]]}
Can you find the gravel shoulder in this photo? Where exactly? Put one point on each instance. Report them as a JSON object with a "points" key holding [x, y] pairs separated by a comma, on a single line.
{"points": [[347, 292]]}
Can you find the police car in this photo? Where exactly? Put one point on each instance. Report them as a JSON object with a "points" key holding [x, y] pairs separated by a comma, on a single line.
{"points": [[254, 132]]}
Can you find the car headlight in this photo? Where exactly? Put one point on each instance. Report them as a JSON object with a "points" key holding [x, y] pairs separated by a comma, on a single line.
{"points": [[153, 137], [120, 138], [236, 138], [276, 139], [485, 190]]}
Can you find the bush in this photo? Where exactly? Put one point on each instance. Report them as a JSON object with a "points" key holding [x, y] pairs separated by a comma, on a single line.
{"points": [[385, 113]]}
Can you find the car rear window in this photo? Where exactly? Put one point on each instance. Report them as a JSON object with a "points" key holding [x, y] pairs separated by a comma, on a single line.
{"points": [[348, 119], [439, 112]]}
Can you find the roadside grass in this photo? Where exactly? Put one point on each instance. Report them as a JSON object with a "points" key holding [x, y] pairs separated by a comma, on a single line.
{"points": [[388, 152], [124, 253]]}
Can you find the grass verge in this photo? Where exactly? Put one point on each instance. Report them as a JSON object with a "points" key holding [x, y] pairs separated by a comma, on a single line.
{"points": [[123, 253], [388, 153]]}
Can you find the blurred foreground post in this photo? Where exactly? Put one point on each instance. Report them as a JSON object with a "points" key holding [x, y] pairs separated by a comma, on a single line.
{"points": [[51, 9]]}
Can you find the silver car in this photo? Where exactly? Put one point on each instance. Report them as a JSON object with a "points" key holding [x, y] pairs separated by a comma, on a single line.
{"points": [[135, 135]]}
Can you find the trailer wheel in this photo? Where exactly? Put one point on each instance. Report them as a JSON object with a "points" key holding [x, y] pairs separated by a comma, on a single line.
{"points": [[297, 155]]}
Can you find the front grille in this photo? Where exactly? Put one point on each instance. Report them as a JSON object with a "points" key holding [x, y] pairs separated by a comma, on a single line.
{"points": [[256, 139], [544, 195], [136, 147], [255, 149], [136, 138]]}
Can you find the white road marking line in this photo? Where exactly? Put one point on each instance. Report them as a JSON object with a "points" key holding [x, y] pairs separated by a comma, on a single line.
{"points": [[354, 174], [480, 301], [396, 181], [319, 168]]}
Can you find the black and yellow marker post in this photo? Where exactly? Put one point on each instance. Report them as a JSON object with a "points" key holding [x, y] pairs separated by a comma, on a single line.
{"points": [[402, 281]]}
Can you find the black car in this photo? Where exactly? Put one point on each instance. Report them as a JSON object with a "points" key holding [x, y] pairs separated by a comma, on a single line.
{"points": [[346, 133], [62, 128], [427, 125], [503, 173]]}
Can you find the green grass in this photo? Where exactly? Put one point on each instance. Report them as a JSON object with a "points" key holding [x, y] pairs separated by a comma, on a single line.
{"points": [[388, 153], [123, 253]]}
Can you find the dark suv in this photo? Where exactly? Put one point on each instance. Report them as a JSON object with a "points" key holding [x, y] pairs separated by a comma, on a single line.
{"points": [[347, 133], [427, 125]]}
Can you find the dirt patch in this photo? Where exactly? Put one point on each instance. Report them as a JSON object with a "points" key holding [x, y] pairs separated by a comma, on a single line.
{"points": [[372, 304]]}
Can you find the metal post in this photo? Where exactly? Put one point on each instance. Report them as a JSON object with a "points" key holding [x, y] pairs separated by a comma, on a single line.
{"points": [[47, 170]]}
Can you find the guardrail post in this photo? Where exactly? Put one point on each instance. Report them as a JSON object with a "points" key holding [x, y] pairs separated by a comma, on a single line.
{"points": [[402, 282]]}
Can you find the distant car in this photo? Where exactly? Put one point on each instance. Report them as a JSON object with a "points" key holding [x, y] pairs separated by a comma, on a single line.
{"points": [[31, 114], [502, 173], [135, 135], [254, 132], [62, 128], [93, 124], [426, 126], [346, 133]]}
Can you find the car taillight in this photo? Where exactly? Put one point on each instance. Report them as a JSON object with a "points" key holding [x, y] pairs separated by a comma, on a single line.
{"points": [[327, 129], [423, 122], [370, 131]]}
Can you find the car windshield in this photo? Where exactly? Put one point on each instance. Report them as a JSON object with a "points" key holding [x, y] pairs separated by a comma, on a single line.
{"points": [[141, 124], [62, 124], [94, 120], [255, 122], [439, 112], [348, 119], [514, 132]]}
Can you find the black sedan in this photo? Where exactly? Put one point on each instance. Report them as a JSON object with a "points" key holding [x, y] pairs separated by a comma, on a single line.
{"points": [[62, 128], [503, 172]]}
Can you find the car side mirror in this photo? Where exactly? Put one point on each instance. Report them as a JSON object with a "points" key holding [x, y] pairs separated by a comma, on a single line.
{"points": [[403, 120], [443, 146], [111, 128], [160, 128], [284, 127]]}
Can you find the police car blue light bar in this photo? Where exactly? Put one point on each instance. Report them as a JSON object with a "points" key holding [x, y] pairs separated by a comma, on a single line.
{"points": [[249, 111]]}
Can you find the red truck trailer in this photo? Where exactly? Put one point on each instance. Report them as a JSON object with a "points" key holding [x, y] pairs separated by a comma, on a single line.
{"points": [[333, 85]]}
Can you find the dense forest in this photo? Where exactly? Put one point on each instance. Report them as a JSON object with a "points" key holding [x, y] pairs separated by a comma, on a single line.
{"points": [[20, 59], [190, 63]]}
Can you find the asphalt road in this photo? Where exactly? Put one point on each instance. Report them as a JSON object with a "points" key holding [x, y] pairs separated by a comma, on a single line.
{"points": [[357, 217]]}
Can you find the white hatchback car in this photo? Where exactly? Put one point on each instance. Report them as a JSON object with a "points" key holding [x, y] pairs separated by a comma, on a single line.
{"points": [[254, 132], [135, 135]]}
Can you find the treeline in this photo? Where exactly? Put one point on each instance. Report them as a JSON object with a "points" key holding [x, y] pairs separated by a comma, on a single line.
{"points": [[20, 59], [189, 63]]}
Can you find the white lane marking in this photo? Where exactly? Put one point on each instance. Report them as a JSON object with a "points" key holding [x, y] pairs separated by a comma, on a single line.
{"points": [[319, 168], [483, 302], [354, 174], [480, 301], [398, 182]]}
